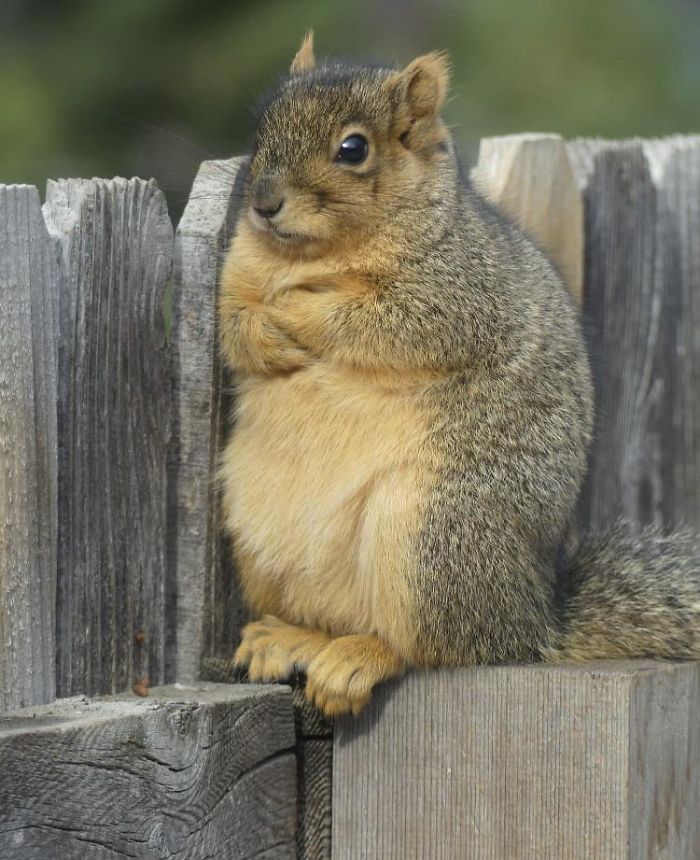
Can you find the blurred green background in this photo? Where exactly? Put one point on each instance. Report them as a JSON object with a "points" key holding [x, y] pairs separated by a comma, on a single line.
{"points": [[151, 87]]}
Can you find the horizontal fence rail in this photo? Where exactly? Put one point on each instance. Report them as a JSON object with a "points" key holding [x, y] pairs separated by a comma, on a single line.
{"points": [[523, 763]]}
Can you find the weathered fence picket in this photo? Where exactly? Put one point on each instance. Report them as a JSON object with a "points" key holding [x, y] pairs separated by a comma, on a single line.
{"points": [[28, 335], [207, 608], [530, 178], [642, 317], [115, 241], [86, 382]]}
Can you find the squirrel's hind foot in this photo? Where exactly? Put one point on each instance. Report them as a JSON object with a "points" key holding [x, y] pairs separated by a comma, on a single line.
{"points": [[341, 678]]}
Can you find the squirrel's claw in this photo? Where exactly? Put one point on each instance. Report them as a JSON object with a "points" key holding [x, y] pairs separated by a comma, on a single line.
{"points": [[333, 704], [265, 658], [272, 650]]}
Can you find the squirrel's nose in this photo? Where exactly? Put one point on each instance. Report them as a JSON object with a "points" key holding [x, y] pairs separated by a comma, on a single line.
{"points": [[267, 195], [270, 208]]}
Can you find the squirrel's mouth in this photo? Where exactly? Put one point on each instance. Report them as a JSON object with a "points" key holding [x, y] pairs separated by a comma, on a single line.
{"points": [[285, 236]]}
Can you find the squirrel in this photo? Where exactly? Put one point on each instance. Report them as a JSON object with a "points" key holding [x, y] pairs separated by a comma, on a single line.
{"points": [[414, 411]]}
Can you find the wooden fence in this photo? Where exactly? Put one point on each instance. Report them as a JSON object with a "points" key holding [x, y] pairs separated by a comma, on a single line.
{"points": [[114, 576]]}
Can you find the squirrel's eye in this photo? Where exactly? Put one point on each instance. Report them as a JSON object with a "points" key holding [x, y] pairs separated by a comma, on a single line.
{"points": [[353, 150]]}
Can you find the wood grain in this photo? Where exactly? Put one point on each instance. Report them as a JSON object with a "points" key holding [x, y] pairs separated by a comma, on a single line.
{"points": [[187, 773], [28, 458], [642, 317], [530, 178], [523, 763], [315, 792], [205, 599], [115, 242]]}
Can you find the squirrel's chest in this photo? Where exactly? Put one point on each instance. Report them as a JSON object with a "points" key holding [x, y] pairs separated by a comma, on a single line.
{"points": [[304, 467]]}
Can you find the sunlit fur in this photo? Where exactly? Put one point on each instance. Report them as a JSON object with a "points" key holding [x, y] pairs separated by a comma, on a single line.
{"points": [[413, 405]]}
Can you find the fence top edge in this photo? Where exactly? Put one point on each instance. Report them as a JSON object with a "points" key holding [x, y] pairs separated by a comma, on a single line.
{"points": [[65, 714], [211, 197], [594, 669]]}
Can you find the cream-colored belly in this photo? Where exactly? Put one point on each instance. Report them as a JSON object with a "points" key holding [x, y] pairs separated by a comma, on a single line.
{"points": [[322, 480]]}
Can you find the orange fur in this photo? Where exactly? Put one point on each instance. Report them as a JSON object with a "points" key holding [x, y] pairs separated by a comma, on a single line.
{"points": [[414, 411], [325, 451], [322, 488]]}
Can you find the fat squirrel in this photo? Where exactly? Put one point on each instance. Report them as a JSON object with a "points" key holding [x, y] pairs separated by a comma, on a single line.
{"points": [[414, 409]]}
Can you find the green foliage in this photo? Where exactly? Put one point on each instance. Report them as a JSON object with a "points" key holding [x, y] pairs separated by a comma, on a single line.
{"points": [[151, 87]]}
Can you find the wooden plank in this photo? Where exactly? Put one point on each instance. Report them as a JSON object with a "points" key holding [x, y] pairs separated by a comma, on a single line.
{"points": [[115, 241], [28, 289], [205, 598], [315, 777], [530, 178], [315, 791], [641, 314], [517, 762], [622, 312], [197, 773]]}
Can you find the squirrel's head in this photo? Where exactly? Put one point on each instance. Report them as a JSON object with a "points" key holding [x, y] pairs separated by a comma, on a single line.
{"points": [[340, 148]]}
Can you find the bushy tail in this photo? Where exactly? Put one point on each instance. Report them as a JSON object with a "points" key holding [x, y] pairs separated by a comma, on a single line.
{"points": [[631, 594]]}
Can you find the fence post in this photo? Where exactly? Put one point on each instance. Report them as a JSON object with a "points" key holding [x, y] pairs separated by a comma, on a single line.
{"points": [[115, 241], [207, 607], [28, 291]]}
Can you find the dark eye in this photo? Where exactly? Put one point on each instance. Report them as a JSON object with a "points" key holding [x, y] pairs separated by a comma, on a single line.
{"points": [[353, 150]]}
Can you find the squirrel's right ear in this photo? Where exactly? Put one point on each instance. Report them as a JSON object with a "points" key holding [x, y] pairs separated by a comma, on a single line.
{"points": [[304, 59]]}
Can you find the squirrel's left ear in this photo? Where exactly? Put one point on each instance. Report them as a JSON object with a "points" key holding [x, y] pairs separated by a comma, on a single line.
{"points": [[304, 59], [424, 83], [420, 90]]}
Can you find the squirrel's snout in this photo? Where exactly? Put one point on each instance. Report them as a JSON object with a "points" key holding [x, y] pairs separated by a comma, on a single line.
{"points": [[266, 196]]}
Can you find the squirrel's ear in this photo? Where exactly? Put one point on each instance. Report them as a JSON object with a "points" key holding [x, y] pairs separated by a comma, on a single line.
{"points": [[423, 84], [418, 92], [304, 59]]}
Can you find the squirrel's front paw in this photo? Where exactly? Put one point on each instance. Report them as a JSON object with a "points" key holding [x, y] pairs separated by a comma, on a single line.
{"points": [[271, 649], [261, 652], [340, 679]]}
